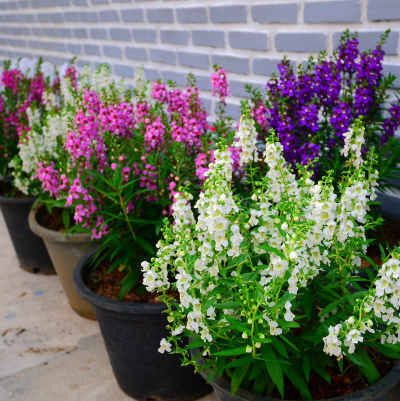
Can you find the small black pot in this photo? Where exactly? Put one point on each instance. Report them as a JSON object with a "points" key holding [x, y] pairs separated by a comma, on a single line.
{"points": [[30, 249], [376, 392], [132, 333]]}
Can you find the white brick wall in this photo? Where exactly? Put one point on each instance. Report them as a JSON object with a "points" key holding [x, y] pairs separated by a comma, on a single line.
{"points": [[173, 37]]}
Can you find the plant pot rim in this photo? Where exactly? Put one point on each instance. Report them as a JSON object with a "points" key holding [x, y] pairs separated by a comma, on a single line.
{"points": [[379, 388], [4, 199], [110, 305], [52, 235]]}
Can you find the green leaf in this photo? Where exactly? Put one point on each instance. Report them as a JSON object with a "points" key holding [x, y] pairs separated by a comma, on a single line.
{"points": [[322, 372], [241, 361], [227, 305], [307, 302], [356, 359], [289, 342], [385, 349], [284, 323], [238, 377], [330, 307], [231, 352], [209, 303], [237, 325], [261, 382], [246, 277], [279, 346], [255, 372], [350, 299], [286, 297], [274, 368], [271, 249], [299, 382], [145, 245], [66, 218], [228, 281], [221, 365], [369, 370], [306, 366], [383, 255], [198, 342]]}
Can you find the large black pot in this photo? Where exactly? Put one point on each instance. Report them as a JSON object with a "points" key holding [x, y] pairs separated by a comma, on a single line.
{"points": [[30, 249], [376, 392], [132, 334]]}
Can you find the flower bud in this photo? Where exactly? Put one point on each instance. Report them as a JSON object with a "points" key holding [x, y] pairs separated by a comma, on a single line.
{"points": [[293, 255], [370, 323], [249, 349], [277, 221], [258, 345], [284, 226], [254, 197], [245, 336], [181, 253], [250, 321], [262, 335], [351, 320]]}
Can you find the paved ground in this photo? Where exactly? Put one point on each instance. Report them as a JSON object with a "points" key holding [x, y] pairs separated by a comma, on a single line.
{"points": [[47, 352]]}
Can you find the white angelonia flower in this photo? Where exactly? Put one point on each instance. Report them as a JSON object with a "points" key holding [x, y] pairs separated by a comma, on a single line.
{"points": [[182, 211], [275, 330], [352, 338], [246, 140], [48, 71], [67, 90], [289, 316], [164, 346], [139, 80], [177, 331], [28, 67], [33, 117], [332, 343]]}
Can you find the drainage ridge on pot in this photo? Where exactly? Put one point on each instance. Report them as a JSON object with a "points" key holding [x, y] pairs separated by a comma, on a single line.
{"points": [[65, 252], [132, 333], [375, 392], [30, 249]]}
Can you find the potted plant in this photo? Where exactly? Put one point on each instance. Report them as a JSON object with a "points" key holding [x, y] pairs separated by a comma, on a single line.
{"points": [[125, 160], [268, 283], [26, 87], [312, 110]]}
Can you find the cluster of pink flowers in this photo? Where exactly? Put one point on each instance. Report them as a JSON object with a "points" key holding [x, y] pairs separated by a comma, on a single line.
{"points": [[154, 136], [219, 83], [50, 179], [260, 114], [12, 79], [118, 120]]}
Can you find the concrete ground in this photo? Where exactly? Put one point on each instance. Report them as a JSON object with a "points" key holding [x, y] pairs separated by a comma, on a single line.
{"points": [[47, 352]]}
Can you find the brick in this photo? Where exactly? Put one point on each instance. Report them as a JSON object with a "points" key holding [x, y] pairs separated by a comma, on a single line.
{"points": [[203, 82], [91, 50], [193, 60], [178, 77], [238, 88], [192, 15], [109, 16], [55, 60], [56, 18], [122, 34], [231, 109], [383, 10], [151, 74], [60, 47], [369, 39], [80, 33], [121, 1], [132, 15], [162, 56], [63, 3], [268, 66], [160, 15], [275, 13], [48, 3], [36, 3], [300, 42], [43, 17], [74, 48], [23, 4], [239, 65], [112, 51], [29, 18], [332, 11], [135, 53], [51, 32], [13, 5], [64, 32], [144, 35], [98, 33], [89, 16], [228, 14], [22, 43], [174, 36], [95, 2], [82, 63], [208, 38], [37, 31], [71, 16], [123, 70], [394, 70], [82, 3], [249, 40]]}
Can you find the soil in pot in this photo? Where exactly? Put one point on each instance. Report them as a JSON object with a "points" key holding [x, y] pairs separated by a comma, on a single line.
{"points": [[30, 249], [53, 221], [351, 381]]}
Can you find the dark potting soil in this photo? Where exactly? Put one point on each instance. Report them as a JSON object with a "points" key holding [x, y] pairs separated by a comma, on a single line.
{"points": [[11, 192], [107, 286], [54, 220], [347, 383]]}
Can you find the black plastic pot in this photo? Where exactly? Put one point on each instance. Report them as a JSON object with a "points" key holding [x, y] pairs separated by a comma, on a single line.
{"points": [[30, 249], [376, 392], [132, 334]]}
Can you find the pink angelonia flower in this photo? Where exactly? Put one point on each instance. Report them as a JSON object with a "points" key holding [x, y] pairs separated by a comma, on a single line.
{"points": [[130, 207], [219, 83], [79, 213], [50, 179], [259, 113], [154, 136], [125, 173], [114, 166], [202, 164], [160, 92]]}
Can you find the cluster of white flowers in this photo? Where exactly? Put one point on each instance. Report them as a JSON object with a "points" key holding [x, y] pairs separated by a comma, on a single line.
{"points": [[246, 136], [50, 100], [354, 143]]}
